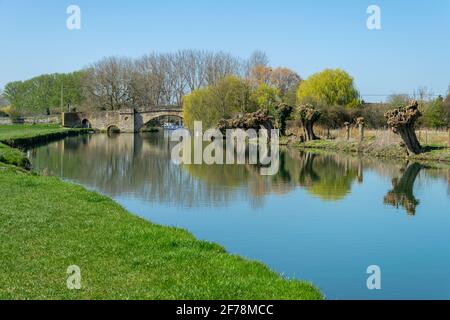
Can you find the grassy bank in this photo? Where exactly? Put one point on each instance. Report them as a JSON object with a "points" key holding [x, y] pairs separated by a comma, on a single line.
{"points": [[21, 136], [381, 143], [48, 225], [13, 137]]}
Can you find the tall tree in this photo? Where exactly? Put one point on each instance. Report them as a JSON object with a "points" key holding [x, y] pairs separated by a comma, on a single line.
{"points": [[258, 58], [284, 79], [41, 94], [222, 100], [447, 109], [329, 87], [109, 83], [435, 114]]}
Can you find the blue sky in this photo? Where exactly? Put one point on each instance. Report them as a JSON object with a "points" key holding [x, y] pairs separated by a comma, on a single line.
{"points": [[411, 50]]}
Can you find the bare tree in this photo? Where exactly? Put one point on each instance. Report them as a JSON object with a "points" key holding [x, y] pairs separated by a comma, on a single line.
{"points": [[423, 94], [258, 58], [284, 79], [108, 83], [193, 68], [220, 65], [155, 79], [150, 86]]}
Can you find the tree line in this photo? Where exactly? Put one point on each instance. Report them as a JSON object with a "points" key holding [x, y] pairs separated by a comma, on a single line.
{"points": [[212, 86], [45, 93], [117, 82]]}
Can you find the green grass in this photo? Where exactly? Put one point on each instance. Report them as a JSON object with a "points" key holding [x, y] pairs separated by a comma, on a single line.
{"points": [[28, 131], [48, 225], [18, 135], [21, 136], [13, 156]]}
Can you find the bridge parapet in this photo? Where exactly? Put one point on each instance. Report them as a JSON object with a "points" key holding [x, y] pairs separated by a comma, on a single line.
{"points": [[159, 109], [126, 120]]}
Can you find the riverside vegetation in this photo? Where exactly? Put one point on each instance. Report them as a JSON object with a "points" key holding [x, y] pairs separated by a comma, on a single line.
{"points": [[48, 225]]}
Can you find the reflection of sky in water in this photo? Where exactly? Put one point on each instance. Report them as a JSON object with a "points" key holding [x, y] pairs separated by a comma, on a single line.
{"points": [[323, 218]]}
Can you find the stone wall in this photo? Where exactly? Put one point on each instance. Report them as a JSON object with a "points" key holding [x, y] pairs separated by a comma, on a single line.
{"points": [[5, 121], [54, 119]]}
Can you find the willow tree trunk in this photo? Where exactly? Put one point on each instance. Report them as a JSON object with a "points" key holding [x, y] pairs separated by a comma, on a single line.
{"points": [[308, 128], [347, 130], [408, 135], [361, 124], [402, 121], [309, 116]]}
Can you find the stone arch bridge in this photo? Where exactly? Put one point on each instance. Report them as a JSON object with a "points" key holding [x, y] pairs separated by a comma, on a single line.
{"points": [[126, 120]]}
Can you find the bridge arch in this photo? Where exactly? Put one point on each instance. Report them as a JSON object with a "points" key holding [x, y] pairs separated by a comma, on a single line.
{"points": [[85, 123], [112, 128], [143, 118]]}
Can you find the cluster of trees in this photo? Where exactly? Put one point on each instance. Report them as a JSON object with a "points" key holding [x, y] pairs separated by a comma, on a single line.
{"points": [[259, 87], [43, 94], [3, 106], [155, 79], [435, 110], [331, 92], [212, 86], [115, 82], [337, 99]]}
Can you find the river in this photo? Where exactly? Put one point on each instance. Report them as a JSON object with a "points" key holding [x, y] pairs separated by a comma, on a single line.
{"points": [[323, 218]]}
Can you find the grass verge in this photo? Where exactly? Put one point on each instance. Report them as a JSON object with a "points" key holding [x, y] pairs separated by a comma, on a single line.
{"points": [[432, 152], [13, 137], [22, 136]]}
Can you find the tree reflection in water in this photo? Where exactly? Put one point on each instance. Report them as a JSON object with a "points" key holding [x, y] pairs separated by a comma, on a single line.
{"points": [[140, 166], [402, 192]]}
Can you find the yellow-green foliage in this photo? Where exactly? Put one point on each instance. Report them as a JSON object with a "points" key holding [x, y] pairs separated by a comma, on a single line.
{"points": [[196, 108], [330, 87], [7, 110], [226, 98], [266, 97]]}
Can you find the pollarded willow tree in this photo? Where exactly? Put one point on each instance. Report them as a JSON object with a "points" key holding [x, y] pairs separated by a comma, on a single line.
{"points": [[283, 111], [255, 120], [308, 117], [402, 122]]}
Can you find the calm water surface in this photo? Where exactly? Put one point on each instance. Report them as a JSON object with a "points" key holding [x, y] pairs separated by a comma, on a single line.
{"points": [[324, 218]]}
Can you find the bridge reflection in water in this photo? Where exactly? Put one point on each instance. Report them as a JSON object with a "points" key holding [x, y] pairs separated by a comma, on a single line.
{"points": [[323, 217]]}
